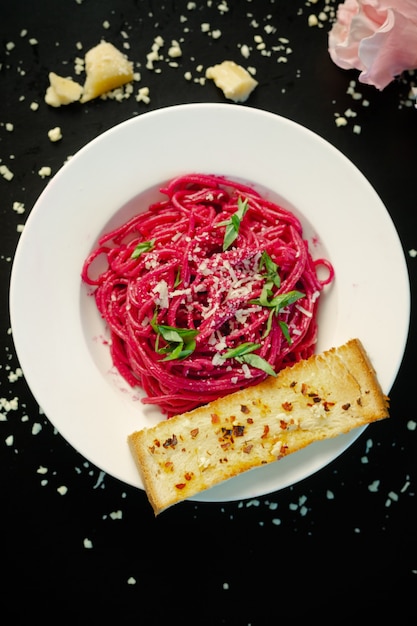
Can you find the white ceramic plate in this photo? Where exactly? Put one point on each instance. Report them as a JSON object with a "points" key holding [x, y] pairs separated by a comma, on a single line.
{"points": [[59, 335]]}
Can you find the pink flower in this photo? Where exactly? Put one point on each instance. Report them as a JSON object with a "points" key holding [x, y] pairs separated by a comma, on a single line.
{"points": [[377, 37]]}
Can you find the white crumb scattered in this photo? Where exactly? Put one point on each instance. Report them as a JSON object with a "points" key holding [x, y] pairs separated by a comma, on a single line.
{"points": [[340, 120], [19, 207], [143, 95], [36, 428], [45, 171], [55, 134], [6, 172], [374, 486]]}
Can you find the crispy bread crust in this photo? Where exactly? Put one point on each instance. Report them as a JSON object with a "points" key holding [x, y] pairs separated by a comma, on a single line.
{"points": [[321, 397]]}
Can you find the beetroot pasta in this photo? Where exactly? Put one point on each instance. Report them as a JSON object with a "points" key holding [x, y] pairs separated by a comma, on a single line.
{"points": [[209, 290]]}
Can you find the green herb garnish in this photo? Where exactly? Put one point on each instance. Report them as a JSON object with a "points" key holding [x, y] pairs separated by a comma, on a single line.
{"points": [[142, 247], [233, 223], [180, 342], [244, 354], [272, 276], [278, 302], [285, 331]]}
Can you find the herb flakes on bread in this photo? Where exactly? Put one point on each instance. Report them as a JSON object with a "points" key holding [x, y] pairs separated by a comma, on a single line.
{"points": [[318, 398]]}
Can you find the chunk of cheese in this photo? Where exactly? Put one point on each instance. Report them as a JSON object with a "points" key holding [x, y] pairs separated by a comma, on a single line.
{"points": [[235, 82], [106, 69], [62, 90]]}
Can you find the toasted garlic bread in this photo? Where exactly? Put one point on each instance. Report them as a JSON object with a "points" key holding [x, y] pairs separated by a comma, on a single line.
{"points": [[321, 397]]}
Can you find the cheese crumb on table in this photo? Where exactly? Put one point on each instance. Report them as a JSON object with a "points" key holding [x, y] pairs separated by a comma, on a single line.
{"points": [[107, 68], [6, 173], [235, 82], [55, 134], [45, 171], [62, 90], [19, 207]]}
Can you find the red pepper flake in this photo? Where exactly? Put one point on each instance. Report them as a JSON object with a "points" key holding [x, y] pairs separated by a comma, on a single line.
{"points": [[327, 405], [283, 424], [346, 406], [293, 383], [287, 406], [226, 432], [171, 442], [244, 408], [157, 443], [194, 433], [248, 448], [249, 420], [215, 419], [266, 431], [188, 475], [283, 451], [238, 430], [180, 485], [304, 388]]}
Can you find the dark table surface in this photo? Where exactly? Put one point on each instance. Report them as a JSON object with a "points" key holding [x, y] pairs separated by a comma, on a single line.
{"points": [[338, 546]]}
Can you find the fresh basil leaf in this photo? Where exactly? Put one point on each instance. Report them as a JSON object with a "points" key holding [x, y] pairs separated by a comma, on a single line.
{"points": [[233, 224], [277, 302], [176, 335], [178, 278], [174, 354], [285, 331], [244, 354], [285, 299], [266, 293], [268, 325], [142, 247], [171, 335], [271, 269], [180, 342], [258, 362], [241, 350]]}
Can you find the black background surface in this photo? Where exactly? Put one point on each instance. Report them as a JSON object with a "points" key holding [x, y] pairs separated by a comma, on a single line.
{"points": [[340, 546]]}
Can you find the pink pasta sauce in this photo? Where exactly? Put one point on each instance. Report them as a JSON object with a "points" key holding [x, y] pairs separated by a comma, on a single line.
{"points": [[213, 257]]}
